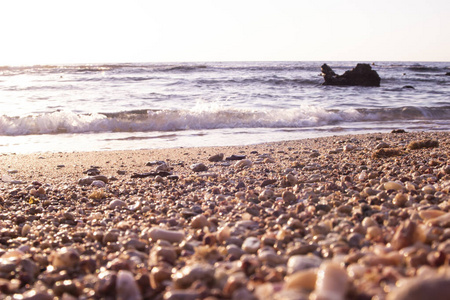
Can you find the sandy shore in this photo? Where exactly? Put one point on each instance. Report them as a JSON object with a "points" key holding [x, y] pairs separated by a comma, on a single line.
{"points": [[346, 217]]}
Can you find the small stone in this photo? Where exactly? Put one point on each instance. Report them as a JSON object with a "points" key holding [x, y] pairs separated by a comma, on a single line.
{"points": [[110, 237], [193, 272], [437, 288], [163, 168], [98, 183], [302, 262], [126, 286], [268, 182], [429, 189], [332, 282], [117, 203], [404, 235], [400, 200], [65, 258], [349, 148], [167, 235], [199, 221], [216, 158], [381, 145], [392, 185], [251, 244], [245, 163], [289, 197], [236, 157], [199, 167], [304, 280]]}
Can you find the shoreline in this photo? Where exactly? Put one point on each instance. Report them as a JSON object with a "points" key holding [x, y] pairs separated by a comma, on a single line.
{"points": [[283, 222]]}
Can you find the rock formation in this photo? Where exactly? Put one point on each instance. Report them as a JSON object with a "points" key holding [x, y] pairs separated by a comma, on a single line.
{"points": [[361, 75]]}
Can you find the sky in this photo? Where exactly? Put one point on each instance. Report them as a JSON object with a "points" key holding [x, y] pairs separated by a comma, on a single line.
{"points": [[98, 31]]}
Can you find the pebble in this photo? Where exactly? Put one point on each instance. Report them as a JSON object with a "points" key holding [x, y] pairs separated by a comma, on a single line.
{"points": [[332, 282], [251, 244], [289, 197], [166, 235], [216, 157], [290, 225], [349, 148], [392, 185], [199, 221], [436, 288], [117, 203], [65, 258], [429, 189], [195, 272], [98, 183], [298, 263], [199, 167], [126, 286], [305, 279], [244, 163]]}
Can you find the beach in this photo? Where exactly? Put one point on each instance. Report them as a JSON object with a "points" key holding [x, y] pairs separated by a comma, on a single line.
{"points": [[342, 217]]}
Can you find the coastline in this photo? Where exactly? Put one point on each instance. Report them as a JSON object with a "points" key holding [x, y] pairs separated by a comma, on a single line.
{"points": [[281, 223]]}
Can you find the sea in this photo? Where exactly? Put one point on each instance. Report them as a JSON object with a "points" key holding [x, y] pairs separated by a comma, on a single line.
{"points": [[130, 106]]}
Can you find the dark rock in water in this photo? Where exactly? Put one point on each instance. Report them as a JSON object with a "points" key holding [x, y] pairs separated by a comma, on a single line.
{"points": [[447, 74], [408, 87], [398, 131], [361, 75]]}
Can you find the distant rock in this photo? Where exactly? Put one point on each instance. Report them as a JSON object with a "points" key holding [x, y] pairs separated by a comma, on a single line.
{"points": [[361, 75], [447, 74]]}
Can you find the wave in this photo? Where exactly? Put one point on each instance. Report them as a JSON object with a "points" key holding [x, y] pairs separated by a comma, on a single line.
{"points": [[208, 118]]}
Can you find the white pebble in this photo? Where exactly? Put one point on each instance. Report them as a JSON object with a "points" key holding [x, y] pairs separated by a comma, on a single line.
{"points": [[117, 203], [332, 282], [251, 244], [166, 235], [392, 185], [98, 183]]}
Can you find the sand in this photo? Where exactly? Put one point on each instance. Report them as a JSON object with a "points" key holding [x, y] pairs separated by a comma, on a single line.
{"points": [[285, 220]]}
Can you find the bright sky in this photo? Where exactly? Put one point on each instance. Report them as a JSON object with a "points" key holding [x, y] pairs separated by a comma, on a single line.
{"points": [[98, 31]]}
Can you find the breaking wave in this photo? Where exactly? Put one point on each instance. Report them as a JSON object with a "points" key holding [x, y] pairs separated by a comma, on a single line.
{"points": [[217, 118]]}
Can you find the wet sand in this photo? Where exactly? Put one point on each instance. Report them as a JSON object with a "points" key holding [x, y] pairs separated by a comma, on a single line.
{"points": [[346, 217]]}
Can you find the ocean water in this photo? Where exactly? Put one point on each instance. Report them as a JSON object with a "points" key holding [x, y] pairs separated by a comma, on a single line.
{"points": [[164, 105]]}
